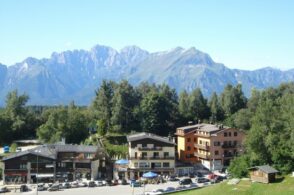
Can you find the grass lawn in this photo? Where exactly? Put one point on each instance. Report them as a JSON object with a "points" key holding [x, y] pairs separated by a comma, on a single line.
{"points": [[281, 187]]}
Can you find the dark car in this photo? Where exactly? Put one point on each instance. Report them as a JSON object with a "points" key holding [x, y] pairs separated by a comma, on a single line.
{"points": [[54, 187], [109, 182], [91, 184], [202, 180], [4, 190], [135, 183], [24, 188], [185, 181], [173, 178]]}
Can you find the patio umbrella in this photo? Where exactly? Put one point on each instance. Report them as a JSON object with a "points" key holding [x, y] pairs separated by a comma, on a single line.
{"points": [[150, 175], [122, 162]]}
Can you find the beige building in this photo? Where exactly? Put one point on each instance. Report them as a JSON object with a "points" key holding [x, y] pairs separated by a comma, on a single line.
{"points": [[149, 152], [214, 145]]}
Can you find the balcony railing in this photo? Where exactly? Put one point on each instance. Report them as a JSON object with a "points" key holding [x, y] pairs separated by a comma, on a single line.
{"points": [[228, 155], [204, 156], [229, 145], [202, 135], [153, 158], [150, 149], [204, 147]]}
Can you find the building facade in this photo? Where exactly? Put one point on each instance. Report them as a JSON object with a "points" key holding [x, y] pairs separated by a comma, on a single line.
{"points": [[214, 145], [149, 152], [50, 163]]}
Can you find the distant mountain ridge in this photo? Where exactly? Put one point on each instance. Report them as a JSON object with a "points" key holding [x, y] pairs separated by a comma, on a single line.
{"points": [[75, 75]]}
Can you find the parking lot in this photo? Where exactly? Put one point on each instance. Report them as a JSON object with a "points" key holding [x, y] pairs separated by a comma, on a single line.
{"points": [[107, 190]]}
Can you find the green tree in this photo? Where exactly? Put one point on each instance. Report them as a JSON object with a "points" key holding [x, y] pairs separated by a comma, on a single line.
{"points": [[102, 104], [155, 114], [232, 99], [184, 106], [215, 108], [198, 105], [124, 102], [239, 167]]}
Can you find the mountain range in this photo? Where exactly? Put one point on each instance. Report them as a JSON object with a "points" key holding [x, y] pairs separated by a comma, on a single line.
{"points": [[75, 75]]}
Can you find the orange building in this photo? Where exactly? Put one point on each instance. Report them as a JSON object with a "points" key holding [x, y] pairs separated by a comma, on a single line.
{"points": [[213, 145], [185, 144]]}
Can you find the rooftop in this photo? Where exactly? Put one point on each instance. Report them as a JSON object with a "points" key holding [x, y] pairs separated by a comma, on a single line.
{"points": [[144, 135], [265, 168], [51, 150], [211, 128]]}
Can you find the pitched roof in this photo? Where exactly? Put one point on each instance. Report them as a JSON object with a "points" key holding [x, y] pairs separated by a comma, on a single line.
{"points": [[144, 135], [265, 168], [51, 150]]}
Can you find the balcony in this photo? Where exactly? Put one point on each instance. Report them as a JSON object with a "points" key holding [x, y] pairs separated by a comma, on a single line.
{"points": [[229, 155], [204, 147], [150, 149], [153, 158], [204, 156], [202, 135], [229, 145]]}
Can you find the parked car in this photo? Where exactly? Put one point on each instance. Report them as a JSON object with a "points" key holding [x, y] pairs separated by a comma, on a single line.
{"points": [[82, 184], [170, 189], [154, 192], [4, 190], [109, 182], [54, 187], [24, 188], [173, 178], [122, 182], [41, 187], [74, 185], [66, 185], [135, 183], [99, 183], [202, 180], [91, 184], [185, 181], [193, 185]]}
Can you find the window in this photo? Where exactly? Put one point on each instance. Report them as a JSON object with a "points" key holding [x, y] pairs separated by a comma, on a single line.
{"points": [[188, 148], [235, 143], [136, 155], [216, 143], [229, 134], [23, 166], [88, 155], [165, 164], [200, 142], [225, 134], [156, 154], [216, 152], [166, 154], [188, 156], [136, 164], [61, 165], [144, 165], [194, 139], [157, 165], [144, 154], [235, 134], [188, 139]]}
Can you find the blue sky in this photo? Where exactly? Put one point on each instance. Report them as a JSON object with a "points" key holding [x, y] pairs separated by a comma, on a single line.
{"points": [[241, 34]]}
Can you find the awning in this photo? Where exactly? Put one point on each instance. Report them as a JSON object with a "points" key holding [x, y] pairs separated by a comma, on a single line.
{"points": [[44, 175]]}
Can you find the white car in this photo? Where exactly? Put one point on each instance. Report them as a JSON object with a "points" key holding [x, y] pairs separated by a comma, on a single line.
{"points": [[154, 192]]}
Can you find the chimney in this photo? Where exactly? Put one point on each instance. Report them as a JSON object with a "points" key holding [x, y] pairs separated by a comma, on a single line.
{"points": [[63, 141]]}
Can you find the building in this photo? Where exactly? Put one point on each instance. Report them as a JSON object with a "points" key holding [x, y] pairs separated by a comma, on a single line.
{"points": [[213, 145], [185, 144], [56, 162], [149, 152], [263, 174], [184, 169]]}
